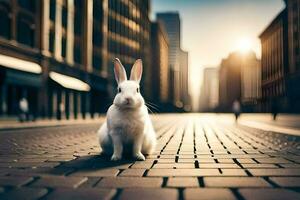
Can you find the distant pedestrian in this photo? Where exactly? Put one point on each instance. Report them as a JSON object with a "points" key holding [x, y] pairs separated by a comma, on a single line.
{"points": [[24, 110], [236, 108], [274, 109]]}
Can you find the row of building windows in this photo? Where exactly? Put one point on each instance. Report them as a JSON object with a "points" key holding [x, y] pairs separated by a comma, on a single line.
{"points": [[25, 27], [275, 90], [272, 58]]}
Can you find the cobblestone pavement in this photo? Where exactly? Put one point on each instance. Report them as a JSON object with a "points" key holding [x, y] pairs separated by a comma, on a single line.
{"points": [[197, 157]]}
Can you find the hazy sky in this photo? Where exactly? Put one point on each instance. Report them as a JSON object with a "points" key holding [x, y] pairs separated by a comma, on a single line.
{"points": [[211, 29]]}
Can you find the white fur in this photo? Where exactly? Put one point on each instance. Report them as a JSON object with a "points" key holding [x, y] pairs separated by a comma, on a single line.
{"points": [[128, 127]]}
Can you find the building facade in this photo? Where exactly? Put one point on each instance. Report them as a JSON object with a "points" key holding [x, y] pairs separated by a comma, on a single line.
{"points": [[57, 53], [171, 22], [229, 81], [239, 79], [274, 61], [250, 82], [184, 80], [129, 37], [209, 90], [293, 77], [159, 86]]}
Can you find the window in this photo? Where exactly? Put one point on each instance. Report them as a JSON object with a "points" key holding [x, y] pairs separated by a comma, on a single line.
{"points": [[63, 47], [96, 37], [97, 9], [77, 53], [64, 17], [96, 62], [78, 4], [5, 30], [27, 4], [52, 10], [25, 30], [51, 42], [77, 23]]}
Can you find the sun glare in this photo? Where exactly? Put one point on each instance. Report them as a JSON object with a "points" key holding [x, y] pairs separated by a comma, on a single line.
{"points": [[244, 45]]}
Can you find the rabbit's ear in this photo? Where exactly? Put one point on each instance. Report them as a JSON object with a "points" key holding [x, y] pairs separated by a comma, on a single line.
{"points": [[120, 73], [136, 71]]}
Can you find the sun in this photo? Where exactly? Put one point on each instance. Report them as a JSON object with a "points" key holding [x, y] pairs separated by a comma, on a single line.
{"points": [[244, 44]]}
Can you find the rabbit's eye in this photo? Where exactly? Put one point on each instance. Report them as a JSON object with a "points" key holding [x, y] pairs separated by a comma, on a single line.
{"points": [[137, 90], [119, 90]]}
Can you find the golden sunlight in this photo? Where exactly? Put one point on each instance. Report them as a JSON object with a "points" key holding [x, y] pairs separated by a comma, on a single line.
{"points": [[244, 44]]}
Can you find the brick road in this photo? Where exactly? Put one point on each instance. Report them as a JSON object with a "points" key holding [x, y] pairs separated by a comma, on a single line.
{"points": [[197, 157]]}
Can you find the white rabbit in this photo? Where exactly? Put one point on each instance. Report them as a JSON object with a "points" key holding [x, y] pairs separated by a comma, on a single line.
{"points": [[128, 127]]}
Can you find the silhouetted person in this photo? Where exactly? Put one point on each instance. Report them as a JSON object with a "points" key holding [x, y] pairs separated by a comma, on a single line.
{"points": [[274, 109], [24, 110], [236, 108]]}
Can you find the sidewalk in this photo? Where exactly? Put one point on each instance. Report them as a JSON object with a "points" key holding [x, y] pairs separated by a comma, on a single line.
{"points": [[285, 123], [196, 157], [9, 124]]}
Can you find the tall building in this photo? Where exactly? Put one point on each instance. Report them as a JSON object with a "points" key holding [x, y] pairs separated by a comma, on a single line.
{"points": [[128, 36], [159, 82], [20, 42], [184, 80], [274, 61], [239, 79], [293, 80], [58, 53], [210, 90], [171, 22], [250, 82]]}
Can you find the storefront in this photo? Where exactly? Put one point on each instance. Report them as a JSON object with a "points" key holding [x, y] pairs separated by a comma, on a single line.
{"points": [[18, 79], [68, 97]]}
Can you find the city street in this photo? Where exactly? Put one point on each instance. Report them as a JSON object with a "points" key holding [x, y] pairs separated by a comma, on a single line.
{"points": [[198, 156]]}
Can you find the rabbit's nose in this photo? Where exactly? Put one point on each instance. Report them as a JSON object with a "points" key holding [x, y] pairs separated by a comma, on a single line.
{"points": [[128, 100]]}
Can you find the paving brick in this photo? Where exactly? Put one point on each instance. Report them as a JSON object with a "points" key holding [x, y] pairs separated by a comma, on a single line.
{"points": [[149, 194], [290, 165], [127, 182], [286, 181], [96, 172], [208, 193], [132, 172], [259, 166], [206, 160], [186, 160], [144, 165], [266, 194], [183, 172], [14, 180], [29, 164], [24, 194], [59, 181], [246, 161], [235, 182], [273, 160], [81, 193], [225, 160], [275, 172], [44, 171], [233, 172], [218, 165], [182, 182], [174, 165], [91, 182]]}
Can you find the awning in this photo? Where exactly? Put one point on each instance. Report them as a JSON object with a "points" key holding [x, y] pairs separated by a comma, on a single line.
{"points": [[19, 64], [69, 82]]}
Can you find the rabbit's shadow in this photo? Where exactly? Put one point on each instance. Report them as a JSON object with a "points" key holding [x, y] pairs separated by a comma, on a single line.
{"points": [[91, 163]]}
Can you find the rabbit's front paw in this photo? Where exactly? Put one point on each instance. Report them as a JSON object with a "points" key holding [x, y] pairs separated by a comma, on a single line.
{"points": [[139, 156], [116, 157]]}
